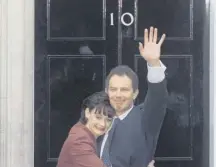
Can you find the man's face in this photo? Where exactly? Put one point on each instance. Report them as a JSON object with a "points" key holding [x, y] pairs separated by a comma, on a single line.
{"points": [[121, 93]]}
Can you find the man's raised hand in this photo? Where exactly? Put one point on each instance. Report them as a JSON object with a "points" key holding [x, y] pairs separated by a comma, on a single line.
{"points": [[151, 50]]}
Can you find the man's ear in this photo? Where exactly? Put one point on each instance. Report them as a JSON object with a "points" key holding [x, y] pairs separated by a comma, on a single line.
{"points": [[87, 113], [135, 94], [106, 90]]}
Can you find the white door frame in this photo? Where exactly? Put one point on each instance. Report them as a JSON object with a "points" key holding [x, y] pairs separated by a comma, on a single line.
{"points": [[16, 83]]}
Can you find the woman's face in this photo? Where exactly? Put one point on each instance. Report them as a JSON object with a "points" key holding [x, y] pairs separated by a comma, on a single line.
{"points": [[97, 123]]}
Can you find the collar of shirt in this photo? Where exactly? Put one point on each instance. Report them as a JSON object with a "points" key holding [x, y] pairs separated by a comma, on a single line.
{"points": [[121, 117]]}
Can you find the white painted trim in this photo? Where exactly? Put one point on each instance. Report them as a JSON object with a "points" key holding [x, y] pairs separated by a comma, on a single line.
{"points": [[212, 83], [212, 119], [28, 86], [3, 83], [16, 83]]}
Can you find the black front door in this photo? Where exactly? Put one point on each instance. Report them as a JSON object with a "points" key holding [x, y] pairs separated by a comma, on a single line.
{"points": [[77, 42]]}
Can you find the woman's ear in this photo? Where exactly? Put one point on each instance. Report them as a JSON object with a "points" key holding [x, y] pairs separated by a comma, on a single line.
{"points": [[87, 113]]}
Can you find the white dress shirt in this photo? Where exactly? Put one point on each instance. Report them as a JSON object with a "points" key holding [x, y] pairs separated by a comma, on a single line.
{"points": [[155, 75]]}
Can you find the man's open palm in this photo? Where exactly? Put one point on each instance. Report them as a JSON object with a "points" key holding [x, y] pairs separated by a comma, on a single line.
{"points": [[151, 50]]}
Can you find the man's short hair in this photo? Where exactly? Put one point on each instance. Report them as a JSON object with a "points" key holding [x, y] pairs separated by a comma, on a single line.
{"points": [[124, 70], [100, 102]]}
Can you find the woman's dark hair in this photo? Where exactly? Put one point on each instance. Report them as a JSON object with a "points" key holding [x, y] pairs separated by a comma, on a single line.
{"points": [[98, 101]]}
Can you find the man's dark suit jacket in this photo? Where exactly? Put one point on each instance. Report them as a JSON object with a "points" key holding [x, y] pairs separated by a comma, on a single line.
{"points": [[135, 138], [79, 149]]}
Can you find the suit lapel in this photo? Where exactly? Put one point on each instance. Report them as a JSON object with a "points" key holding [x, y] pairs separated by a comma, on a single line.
{"points": [[110, 138], [99, 143]]}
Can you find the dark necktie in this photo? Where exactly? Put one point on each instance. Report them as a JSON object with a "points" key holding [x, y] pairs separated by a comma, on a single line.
{"points": [[105, 155]]}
